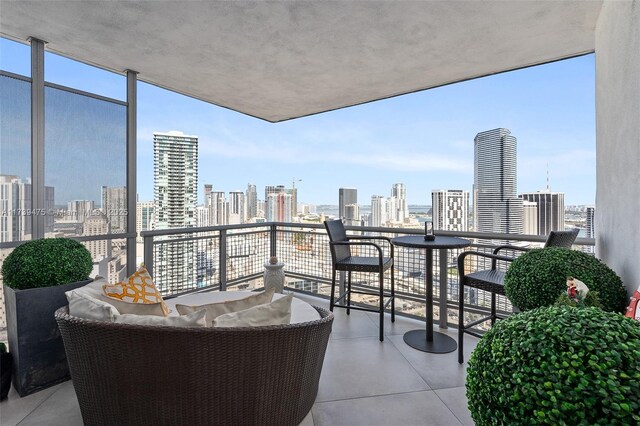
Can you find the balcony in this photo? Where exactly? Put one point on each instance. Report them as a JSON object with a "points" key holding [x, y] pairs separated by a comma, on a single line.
{"points": [[378, 382]]}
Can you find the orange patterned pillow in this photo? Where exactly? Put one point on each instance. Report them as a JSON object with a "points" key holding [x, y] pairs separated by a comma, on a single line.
{"points": [[138, 288]]}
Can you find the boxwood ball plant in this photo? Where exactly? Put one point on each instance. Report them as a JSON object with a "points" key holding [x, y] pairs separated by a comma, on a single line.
{"points": [[539, 276], [557, 365], [45, 263]]}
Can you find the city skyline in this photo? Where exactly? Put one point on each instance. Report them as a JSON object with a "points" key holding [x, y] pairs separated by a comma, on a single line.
{"points": [[424, 139]]}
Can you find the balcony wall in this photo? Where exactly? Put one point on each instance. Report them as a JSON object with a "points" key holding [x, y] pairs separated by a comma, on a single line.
{"points": [[618, 139]]}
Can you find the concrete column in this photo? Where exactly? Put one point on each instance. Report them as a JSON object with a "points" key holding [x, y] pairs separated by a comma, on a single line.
{"points": [[618, 139]]}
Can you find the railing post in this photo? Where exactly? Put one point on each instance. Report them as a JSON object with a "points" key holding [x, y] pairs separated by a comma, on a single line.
{"points": [[442, 258], [273, 247], [148, 253], [223, 260]]}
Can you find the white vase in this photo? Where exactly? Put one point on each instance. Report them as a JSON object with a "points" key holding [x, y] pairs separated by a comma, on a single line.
{"points": [[274, 276]]}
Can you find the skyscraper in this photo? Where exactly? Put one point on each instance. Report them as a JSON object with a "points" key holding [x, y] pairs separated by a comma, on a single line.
{"points": [[144, 217], [278, 207], [236, 207], [15, 197], [550, 210], [378, 215], [346, 196], [218, 209], [207, 193], [176, 179], [114, 206], [79, 210], [352, 215], [399, 192], [591, 227], [450, 209], [529, 218], [497, 208], [176, 194], [252, 201]]}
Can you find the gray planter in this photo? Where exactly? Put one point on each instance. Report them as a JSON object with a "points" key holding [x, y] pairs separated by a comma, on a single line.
{"points": [[39, 360]]}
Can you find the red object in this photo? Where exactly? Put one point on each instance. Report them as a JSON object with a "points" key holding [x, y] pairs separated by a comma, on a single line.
{"points": [[633, 310], [572, 292]]}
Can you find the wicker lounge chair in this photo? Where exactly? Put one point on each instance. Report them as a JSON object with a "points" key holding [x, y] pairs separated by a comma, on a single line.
{"points": [[130, 374]]}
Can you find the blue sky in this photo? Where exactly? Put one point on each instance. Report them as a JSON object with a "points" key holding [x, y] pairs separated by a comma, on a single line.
{"points": [[424, 140]]}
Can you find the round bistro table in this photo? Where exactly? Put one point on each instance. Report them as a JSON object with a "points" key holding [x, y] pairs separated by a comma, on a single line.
{"points": [[431, 341]]}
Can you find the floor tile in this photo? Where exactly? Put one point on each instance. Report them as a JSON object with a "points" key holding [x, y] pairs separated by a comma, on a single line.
{"points": [[365, 367], [308, 420], [456, 400], [438, 370], [414, 408], [61, 408], [14, 409]]}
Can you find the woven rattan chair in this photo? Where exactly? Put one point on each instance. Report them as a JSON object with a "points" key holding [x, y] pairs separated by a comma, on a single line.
{"points": [[143, 375], [342, 260], [492, 280]]}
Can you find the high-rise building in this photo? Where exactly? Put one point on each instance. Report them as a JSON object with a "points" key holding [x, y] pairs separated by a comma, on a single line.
{"points": [[591, 224], [591, 227], [218, 209], [144, 217], [79, 210], [15, 198], [236, 207], [207, 193], [114, 206], [271, 189], [252, 201], [550, 210], [352, 215], [378, 215], [497, 209], [176, 194], [278, 207], [529, 218], [450, 209], [399, 192], [346, 196], [202, 216], [97, 224]]}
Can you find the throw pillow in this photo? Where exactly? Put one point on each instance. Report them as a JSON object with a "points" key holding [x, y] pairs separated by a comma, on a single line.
{"points": [[95, 289], [214, 310], [196, 319], [274, 313], [84, 306], [137, 289]]}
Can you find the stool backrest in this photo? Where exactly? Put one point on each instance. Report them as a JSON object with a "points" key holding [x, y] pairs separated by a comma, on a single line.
{"points": [[562, 238], [337, 233]]}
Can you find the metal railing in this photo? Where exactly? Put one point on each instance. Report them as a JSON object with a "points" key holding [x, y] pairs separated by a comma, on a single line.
{"points": [[232, 257]]}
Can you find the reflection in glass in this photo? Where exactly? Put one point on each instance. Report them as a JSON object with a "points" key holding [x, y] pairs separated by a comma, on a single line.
{"points": [[85, 164], [15, 160]]}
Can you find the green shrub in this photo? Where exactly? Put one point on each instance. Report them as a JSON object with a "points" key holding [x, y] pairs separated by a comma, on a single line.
{"points": [[591, 299], [45, 263], [539, 276], [557, 365]]}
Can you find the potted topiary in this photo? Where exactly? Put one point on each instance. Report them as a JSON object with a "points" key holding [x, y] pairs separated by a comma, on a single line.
{"points": [[36, 275], [6, 364], [539, 277], [558, 365]]}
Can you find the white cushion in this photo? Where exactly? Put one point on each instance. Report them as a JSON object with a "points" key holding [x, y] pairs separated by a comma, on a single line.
{"points": [[214, 310], [274, 313], [82, 305], [195, 319], [94, 289], [301, 311]]}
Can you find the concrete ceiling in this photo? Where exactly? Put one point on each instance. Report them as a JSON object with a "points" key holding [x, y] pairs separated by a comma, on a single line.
{"points": [[281, 60]]}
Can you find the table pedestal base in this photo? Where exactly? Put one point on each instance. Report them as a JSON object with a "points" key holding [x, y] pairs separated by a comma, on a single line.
{"points": [[441, 344]]}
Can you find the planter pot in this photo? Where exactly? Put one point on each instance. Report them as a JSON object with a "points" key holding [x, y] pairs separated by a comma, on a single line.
{"points": [[6, 362], [39, 360]]}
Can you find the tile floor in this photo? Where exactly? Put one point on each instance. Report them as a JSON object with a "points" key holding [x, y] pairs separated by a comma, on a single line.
{"points": [[364, 382]]}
